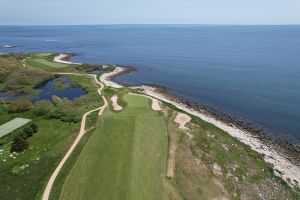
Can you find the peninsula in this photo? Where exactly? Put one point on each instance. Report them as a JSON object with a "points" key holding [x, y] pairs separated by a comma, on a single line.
{"points": [[117, 142]]}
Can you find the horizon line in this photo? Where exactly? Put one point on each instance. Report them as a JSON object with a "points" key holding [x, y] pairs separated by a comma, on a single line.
{"points": [[178, 24]]}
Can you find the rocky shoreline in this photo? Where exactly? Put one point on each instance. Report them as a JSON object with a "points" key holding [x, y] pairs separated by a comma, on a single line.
{"points": [[285, 148], [283, 156], [289, 150]]}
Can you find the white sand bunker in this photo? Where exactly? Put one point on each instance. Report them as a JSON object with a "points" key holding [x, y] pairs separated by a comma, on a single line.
{"points": [[182, 119], [114, 100], [155, 104]]}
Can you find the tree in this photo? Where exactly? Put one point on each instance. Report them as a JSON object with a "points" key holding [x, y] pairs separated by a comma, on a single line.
{"points": [[19, 105], [19, 144], [30, 130]]}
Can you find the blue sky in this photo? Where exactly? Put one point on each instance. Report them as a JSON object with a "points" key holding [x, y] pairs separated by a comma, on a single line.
{"points": [[149, 12]]}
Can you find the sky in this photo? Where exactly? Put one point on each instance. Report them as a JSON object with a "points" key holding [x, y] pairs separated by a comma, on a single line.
{"points": [[73, 12]]}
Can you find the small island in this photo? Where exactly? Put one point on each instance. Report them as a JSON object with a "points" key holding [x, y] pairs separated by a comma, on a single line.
{"points": [[7, 46], [112, 140]]}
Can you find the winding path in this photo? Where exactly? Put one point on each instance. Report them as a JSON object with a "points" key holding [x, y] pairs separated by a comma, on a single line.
{"points": [[82, 131]]}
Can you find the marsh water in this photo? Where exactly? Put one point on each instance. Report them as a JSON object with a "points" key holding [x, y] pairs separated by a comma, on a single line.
{"points": [[251, 72], [61, 87]]}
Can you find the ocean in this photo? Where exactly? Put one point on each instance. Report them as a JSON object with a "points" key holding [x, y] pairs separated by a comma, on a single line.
{"points": [[248, 72]]}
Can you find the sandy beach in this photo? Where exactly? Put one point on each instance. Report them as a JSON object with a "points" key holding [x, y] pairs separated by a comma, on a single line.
{"points": [[61, 58], [106, 77]]}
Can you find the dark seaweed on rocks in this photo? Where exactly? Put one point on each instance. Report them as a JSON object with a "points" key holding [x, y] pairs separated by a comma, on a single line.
{"points": [[283, 147]]}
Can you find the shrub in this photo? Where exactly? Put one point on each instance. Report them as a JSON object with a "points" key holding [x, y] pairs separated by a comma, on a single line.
{"points": [[30, 130], [19, 105], [43, 108], [19, 144], [71, 114], [62, 109]]}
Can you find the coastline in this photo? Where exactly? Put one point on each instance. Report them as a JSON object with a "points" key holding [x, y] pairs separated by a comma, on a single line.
{"points": [[283, 163], [283, 166], [64, 57]]}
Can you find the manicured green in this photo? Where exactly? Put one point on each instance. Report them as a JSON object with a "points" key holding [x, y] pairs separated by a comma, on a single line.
{"points": [[125, 158], [39, 62]]}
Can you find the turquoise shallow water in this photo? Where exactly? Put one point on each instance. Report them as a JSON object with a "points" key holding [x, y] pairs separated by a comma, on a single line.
{"points": [[252, 72]]}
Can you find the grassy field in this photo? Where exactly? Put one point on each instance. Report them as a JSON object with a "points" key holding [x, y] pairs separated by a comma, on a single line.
{"points": [[42, 63], [19, 79], [213, 165], [23, 175], [124, 155], [125, 158]]}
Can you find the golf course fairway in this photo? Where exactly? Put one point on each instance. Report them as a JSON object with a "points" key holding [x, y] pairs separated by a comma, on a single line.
{"points": [[125, 158]]}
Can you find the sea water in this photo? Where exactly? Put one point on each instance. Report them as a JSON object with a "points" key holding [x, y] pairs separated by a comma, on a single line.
{"points": [[250, 72]]}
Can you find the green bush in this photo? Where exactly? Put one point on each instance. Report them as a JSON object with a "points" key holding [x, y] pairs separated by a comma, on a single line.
{"points": [[62, 109], [19, 105], [30, 130], [19, 144], [43, 108]]}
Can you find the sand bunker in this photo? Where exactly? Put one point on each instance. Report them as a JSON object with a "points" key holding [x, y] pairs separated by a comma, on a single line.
{"points": [[182, 119], [155, 104], [114, 100]]}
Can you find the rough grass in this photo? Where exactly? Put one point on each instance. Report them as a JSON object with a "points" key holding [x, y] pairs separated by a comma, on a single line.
{"points": [[24, 175], [91, 120], [60, 179], [214, 165], [14, 77], [124, 159]]}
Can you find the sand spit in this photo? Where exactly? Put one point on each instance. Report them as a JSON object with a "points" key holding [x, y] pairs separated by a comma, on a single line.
{"points": [[61, 58], [106, 77], [182, 120], [114, 100]]}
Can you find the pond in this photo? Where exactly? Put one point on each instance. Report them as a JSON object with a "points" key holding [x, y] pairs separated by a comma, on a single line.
{"points": [[61, 86]]}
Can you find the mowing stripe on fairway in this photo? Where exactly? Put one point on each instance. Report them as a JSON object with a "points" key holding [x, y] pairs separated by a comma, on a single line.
{"points": [[124, 159], [43, 62]]}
